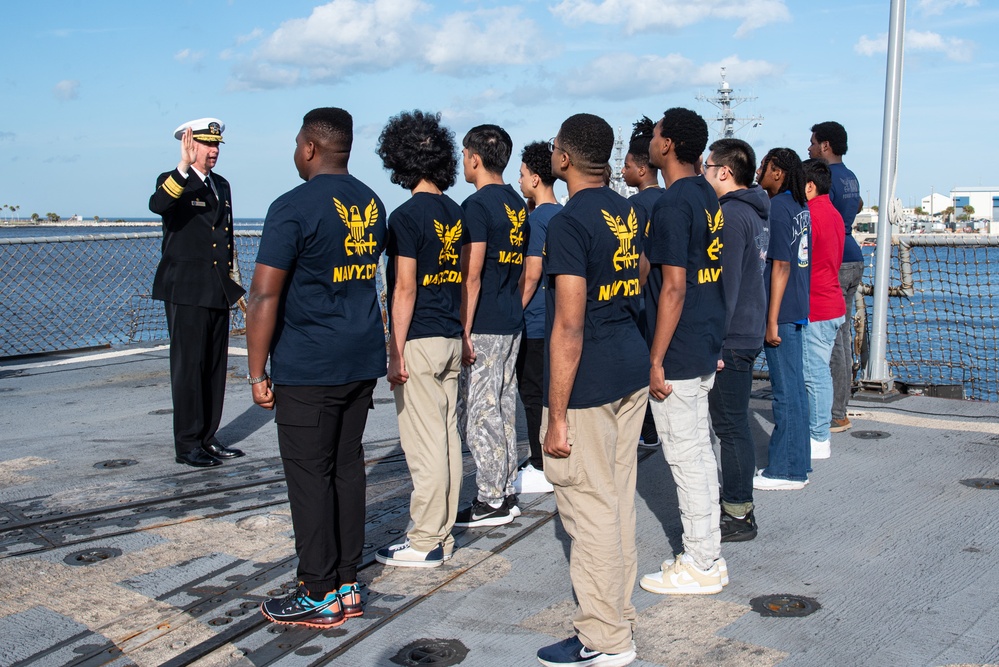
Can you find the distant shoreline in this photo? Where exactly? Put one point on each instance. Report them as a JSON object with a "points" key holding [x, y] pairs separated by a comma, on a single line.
{"points": [[79, 223]]}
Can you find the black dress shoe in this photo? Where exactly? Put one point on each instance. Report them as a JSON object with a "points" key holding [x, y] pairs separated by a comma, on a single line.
{"points": [[220, 451], [198, 459]]}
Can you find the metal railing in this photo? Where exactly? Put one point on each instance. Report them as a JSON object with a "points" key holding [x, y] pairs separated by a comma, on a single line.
{"points": [[942, 307], [71, 292]]}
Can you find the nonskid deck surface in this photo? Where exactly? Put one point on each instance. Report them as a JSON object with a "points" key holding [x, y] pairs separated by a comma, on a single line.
{"points": [[110, 553]]}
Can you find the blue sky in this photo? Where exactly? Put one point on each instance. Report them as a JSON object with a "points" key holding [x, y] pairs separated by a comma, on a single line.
{"points": [[92, 90]]}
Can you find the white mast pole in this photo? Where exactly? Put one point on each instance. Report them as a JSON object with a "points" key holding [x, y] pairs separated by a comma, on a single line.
{"points": [[878, 375]]}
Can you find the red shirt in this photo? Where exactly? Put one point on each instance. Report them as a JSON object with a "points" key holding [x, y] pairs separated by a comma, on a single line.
{"points": [[825, 296]]}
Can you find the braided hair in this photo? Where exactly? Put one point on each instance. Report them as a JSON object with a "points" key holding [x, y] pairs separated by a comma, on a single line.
{"points": [[794, 176]]}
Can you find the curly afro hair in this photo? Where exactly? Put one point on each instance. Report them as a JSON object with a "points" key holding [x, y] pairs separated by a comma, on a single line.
{"points": [[688, 131], [834, 133], [538, 158], [589, 139], [415, 146]]}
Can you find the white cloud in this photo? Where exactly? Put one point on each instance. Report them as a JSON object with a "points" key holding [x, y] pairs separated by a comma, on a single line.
{"points": [[189, 57], [347, 37], [934, 7], [621, 76], [67, 89], [254, 34], [953, 47], [476, 40], [647, 15], [344, 33]]}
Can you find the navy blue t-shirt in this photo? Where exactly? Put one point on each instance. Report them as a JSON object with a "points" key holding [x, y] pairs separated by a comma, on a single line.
{"points": [[427, 228], [534, 314], [596, 236], [686, 232], [327, 234], [496, 215], [789, 241], [644, 201], [844, 192]]}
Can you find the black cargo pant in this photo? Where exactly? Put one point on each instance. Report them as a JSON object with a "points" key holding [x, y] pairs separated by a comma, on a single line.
{"points": [[319, 436]]}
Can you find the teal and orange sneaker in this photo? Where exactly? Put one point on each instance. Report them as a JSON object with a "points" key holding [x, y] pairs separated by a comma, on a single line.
{"points": [[297, 608], [350, 600]]}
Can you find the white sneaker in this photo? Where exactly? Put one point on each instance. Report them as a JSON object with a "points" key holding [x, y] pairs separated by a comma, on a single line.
{"points": [[761, 483], [821, 449], [682, 577], [723, 569], [404, 555], [532, 480]]}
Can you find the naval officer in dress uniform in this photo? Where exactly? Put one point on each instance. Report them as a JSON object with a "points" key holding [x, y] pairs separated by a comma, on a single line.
{"points": [[194, 281]]}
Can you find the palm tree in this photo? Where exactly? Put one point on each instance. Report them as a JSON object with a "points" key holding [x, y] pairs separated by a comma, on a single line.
{"points": [[16, 209], [970, 210]]}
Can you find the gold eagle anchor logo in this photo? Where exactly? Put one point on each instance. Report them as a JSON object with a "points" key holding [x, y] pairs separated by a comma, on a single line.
{"points": [[448, 236], [355, 243], [625, 257], [517, 225], [715, 223]]}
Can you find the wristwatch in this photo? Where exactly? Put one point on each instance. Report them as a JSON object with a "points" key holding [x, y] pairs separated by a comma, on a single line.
{"points": [[253, 380]]}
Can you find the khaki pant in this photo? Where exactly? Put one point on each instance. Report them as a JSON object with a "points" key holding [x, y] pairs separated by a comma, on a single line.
{"points": [[428, 429], [595, 495]]}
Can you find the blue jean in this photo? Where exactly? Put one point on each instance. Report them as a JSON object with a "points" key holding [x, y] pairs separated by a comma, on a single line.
{"points": [[789, 452], [819, 339], [728, 404]]}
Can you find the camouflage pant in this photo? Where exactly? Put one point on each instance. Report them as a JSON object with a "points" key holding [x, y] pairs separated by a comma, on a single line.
{"points": [[487, 413]]}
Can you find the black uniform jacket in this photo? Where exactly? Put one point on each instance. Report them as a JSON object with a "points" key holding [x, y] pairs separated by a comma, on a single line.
{"points": [[197, 242]]}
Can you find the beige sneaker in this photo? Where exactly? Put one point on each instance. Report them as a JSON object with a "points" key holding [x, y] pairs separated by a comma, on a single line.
{"points": [[682, 577], [839, 425], [723, 570]]}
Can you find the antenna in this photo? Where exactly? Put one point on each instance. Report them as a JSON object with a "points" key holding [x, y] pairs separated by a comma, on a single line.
{"points": [[725, 102], [617, 183]]}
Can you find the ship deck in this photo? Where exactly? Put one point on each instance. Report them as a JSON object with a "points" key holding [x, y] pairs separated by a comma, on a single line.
{"points": [[111, 553]]}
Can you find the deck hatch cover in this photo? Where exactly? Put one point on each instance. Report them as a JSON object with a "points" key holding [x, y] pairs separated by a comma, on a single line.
{"points": [[437, 652], [870, 435], [981, 483], [91, 556], [784, 605], [116, 463]]}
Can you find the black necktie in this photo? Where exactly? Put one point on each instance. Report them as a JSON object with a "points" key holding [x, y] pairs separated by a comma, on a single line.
{"points": [[208, 182]]}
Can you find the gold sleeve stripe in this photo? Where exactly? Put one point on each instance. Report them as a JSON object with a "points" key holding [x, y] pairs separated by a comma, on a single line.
{"points": [[172, 188]]}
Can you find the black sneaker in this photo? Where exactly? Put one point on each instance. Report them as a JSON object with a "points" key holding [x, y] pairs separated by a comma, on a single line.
{"points": [[483, 514], [297, 608], [737, 530], [510, 502]]}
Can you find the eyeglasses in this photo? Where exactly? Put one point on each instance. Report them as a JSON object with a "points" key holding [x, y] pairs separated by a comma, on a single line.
{"points": [[552, 147], [709, 166]]}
